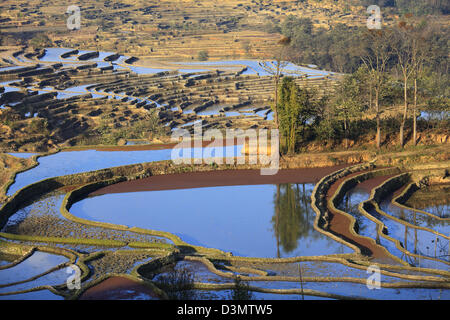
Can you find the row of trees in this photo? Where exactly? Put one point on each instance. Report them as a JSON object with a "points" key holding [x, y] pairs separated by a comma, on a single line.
{"points": [[398, 54], [340, 48], [400, 63], [418, 7]]}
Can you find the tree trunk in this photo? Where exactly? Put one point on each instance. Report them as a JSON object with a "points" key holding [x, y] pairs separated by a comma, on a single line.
{"points": [[346, 133], [414, 113], [275, 115], [405, 112], [277, 213], [377, 106]]}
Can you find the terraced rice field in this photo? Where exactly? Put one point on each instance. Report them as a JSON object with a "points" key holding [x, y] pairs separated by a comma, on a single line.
{"points": [[75, 96], [127, 217], [330, 224]]}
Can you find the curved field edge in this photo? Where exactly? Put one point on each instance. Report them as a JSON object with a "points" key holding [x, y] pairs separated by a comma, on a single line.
{"points": [[25, 251], [320, 206], [373, 202], [34, 164], [402, 198], [114, 175], [350, 183]]}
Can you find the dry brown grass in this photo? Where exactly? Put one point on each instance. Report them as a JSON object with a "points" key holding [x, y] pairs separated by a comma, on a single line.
{"points": [[9, 165]]}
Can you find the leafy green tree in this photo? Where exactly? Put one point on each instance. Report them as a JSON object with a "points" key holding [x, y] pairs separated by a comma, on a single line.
{"points": [[295, 108]]}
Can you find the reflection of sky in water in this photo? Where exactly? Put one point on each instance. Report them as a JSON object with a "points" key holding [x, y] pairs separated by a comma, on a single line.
{"points": [[417, 218], [54, 278], [144, 70], [54, 54], [37, 263], [9, 89], [22, 154], [192, 70], [366, 227], [239, 219], [232, 114], [10, 68], [35, 295], [101, 56], [424, 245], [415, 240], [64, 163], [434, 115], [350, 203], [357, 290], [210, 110]]}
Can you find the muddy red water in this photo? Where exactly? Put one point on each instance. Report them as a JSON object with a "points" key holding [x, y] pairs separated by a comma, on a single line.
{"points": [[340, 224], [218, 178], [118, 288]]}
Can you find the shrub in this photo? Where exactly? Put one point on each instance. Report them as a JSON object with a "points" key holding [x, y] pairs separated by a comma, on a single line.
{"points": [[203, 56], [38, 126], [241, 290], [178, 284]]}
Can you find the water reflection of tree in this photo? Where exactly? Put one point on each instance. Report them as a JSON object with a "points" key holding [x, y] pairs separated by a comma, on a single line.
{"points": [[350, 204], [291, 220]]}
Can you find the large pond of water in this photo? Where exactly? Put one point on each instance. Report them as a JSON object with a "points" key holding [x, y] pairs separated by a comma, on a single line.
{"points": [[244, 220], [64, 163]]}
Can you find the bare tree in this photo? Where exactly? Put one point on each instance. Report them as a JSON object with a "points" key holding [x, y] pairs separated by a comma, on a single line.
{"points": [[376, 58], [276, 71], [403, 48], [418, 45]]}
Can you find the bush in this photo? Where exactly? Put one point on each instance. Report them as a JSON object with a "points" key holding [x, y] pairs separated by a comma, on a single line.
{"points": [[142, 129], [241, 290], [203, 56], [328, 129], [39, 126], [178, 284]]}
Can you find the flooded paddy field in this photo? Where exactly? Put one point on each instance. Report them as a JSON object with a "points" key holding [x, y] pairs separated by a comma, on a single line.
{"points": [[72, 162], [131, 221], [132, 237], [89, 88], [238, 219]]}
